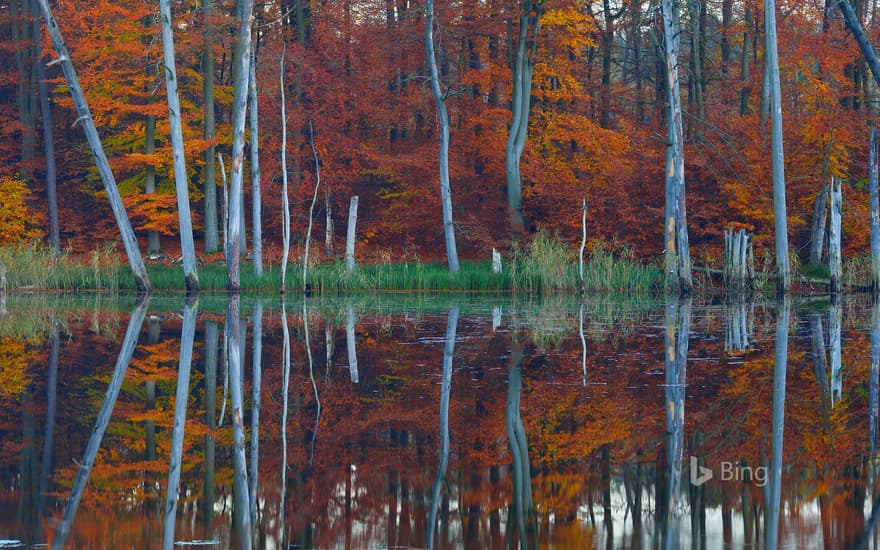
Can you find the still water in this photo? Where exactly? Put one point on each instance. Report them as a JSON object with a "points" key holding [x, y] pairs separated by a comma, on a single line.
{"points": [[408, 421]]}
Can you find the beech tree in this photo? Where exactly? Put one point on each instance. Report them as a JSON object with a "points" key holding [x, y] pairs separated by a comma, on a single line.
{"points": [[440, 100], [783, 271]]}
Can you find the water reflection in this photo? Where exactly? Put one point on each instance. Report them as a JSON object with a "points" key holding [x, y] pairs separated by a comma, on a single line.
{"points": [[335, 439]]}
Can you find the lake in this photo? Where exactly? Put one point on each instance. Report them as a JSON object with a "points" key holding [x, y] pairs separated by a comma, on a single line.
{"points": [[452, 421]]}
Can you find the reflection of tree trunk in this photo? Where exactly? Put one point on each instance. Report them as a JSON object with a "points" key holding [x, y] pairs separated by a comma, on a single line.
{"points": [[49, 437], [523, 507], [351, 343], [445, 385], [27, 476], [233, 347], [211, 343], [678, 317], [583, 343], [607, 513], [154, 326], [187, 335], [85, 466], [835, 318], [285, 357], [874, 377], [773, 489], [255, 408]]}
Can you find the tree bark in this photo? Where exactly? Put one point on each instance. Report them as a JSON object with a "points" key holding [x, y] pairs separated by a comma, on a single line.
{"points": [[522, 66], [351, 232], [153, 244], [698, 85], [233, 353], [746, 91], [212, 238], [181, 181], [835, 264], [135, 260], [256, 199], [817, 226], [285, 198], [783, 273], [236, 207], [305, 265], [48, 139], [440, 101], [675, 184]]}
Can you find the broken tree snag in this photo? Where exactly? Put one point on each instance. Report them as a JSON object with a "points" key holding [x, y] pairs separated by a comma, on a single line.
{"points": [[739, 269], [835, 263], [349, 237]]}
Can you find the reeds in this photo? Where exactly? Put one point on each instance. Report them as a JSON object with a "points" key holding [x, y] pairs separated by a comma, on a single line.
{"points": [[545, 266]]}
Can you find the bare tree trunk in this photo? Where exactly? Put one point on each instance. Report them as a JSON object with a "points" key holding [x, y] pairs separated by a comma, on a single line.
{"points": [[443, 115], [351, 344], [675, 183], [783, 271], [154, 246], [746, 91], [351, 232], [135, 260], [285, 199], [181, 181], [522, 66], [256, 199], [875, 213], [694, 7], [329, 227], [212, 239], [236, 207], [311, 208], [48, 139], [835, 263], [257, 365], [817, 226]]}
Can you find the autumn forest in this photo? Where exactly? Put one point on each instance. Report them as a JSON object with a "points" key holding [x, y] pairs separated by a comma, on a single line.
{"points": [[360, 119]]}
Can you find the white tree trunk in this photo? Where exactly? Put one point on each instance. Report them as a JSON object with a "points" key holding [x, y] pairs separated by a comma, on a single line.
{"points": [[129, 240], [351, 232], [875, 213], [835, 261], [783, 270], [257, 199], [443, 115], [236, 211], [181, 182], [285, 199]]}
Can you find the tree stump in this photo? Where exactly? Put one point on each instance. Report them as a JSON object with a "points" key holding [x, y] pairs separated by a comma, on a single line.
{"points": [[739, 261]]}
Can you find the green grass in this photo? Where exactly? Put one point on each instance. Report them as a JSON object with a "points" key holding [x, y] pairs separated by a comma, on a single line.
{"points": [[546, 266]]}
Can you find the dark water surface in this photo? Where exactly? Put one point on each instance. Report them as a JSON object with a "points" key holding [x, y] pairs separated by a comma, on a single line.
{"points": [[446, 422]]}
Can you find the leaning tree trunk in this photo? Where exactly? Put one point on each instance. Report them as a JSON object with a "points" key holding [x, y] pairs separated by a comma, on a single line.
{"points": [[783, 271], [256, 200], [675, 184], [181, 183], [875, 213], [236, 212], [440, 100], [135, 260]]}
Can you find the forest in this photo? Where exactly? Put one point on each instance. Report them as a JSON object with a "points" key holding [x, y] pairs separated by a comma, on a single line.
{"points": [[557, 112]]}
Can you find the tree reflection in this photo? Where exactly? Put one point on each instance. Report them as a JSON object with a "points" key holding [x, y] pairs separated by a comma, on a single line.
{"points": [[187, 337], [523, 523], [678, 324], [233, 354], [445, 386], [135, 321], [773, 488]]}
